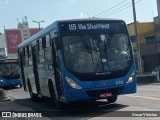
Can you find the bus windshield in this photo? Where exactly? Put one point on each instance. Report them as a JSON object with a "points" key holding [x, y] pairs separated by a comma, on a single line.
{"points": [[9, 70], [98, 53]]}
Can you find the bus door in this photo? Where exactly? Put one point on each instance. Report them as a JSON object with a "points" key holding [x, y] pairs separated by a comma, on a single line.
{"points": [[57, 70], [35, 68], [22, 69]]}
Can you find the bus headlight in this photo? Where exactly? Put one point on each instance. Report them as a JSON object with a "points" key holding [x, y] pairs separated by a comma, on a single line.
{"points": [[131, 78], [72, 83], [1, 80]]}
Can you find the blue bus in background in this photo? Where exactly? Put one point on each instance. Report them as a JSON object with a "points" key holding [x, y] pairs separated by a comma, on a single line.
{"points": [[78, 60], [9, 72]]}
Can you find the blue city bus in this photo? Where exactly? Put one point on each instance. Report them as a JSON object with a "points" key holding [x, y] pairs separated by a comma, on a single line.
{"points": [[79, 60], [9, 72]]}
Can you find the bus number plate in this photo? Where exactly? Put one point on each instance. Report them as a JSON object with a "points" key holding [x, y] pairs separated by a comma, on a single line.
{"points": [[104, 95]]}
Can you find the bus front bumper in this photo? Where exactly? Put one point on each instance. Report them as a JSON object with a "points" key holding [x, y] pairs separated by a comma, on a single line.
{"points": [[73, 95], [5, 83]]}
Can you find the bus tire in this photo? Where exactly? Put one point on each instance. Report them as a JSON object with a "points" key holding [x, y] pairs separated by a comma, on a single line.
{"points": [[20, 85], [54, 99], [33, 96], [158, 78], [112, 99]]}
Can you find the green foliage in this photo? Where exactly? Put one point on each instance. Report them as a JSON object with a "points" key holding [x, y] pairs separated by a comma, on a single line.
{"points": [[1, 90]]}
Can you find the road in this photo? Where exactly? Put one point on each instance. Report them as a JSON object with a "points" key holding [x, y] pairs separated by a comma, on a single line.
{"points": [[146, 100]]}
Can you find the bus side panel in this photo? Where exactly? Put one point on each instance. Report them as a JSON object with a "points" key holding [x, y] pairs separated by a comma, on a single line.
{"points": [[44, 75], [29, 75], [43, 81]]}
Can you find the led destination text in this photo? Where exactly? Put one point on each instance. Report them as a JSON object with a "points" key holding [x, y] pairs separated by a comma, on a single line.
{"points": [[88, 26]]}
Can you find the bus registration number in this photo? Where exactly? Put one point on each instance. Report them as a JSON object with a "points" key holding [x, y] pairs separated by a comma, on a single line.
{"points": [[104, 95]]}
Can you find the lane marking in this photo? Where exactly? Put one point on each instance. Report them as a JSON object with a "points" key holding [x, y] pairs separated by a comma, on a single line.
{"points": [[143, 97]]}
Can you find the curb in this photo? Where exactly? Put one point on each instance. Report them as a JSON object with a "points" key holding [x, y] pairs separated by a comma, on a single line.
{"points": [[146, 79], [5, 99]]}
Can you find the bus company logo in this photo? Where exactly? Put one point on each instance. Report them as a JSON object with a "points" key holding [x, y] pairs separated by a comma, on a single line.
{"points": [[21, 114], [6, 114], [14, 38]]}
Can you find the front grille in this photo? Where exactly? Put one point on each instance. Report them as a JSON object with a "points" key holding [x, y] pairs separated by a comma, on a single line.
{"points": [[96, 93]]}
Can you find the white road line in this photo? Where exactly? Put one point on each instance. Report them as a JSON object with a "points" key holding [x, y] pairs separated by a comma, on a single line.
{"points": [[143, 97]]}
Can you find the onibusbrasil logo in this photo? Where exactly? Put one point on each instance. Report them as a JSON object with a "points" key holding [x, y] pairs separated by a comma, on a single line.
{"points": [[21, 114]]}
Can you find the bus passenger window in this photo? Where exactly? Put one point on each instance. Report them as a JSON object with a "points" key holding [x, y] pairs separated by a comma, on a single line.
{"points": [[41, 52], [48, 49], [30, 56], [47, 41], [26, 56], [44, 42]]}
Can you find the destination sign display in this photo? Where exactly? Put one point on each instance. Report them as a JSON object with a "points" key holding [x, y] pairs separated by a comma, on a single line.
{"points": [[92, 26], [11, 61], [88, 26], [8, 61]]}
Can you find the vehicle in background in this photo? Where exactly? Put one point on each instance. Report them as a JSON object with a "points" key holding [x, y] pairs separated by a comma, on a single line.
{"points": [[9, 72], [78, 60], [156, 72]]}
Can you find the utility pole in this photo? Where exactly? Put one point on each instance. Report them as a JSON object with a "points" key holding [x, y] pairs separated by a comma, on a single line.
{"points": [[137, 39]]}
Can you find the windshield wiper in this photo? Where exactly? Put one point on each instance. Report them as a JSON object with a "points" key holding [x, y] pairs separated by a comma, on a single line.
{"points": [[91, 51]]}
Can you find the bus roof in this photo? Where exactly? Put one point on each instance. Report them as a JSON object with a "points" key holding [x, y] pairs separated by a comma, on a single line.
{"points": [[56, 25], [90, 19], [37, 35]]}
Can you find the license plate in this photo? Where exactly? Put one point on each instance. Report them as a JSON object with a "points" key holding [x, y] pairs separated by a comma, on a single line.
{"points": [[104, 95]]}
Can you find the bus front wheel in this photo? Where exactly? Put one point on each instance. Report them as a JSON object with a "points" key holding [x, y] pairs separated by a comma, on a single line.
{"points": [[20, 85], [112, 99], [158, 77], [54, 99]]}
